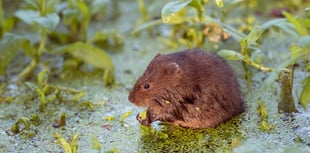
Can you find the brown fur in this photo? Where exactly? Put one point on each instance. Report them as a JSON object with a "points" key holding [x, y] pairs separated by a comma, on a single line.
{"points": [[191, 89]]}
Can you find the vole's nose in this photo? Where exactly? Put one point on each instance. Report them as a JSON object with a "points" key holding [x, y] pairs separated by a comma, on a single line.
{"points": [[130, 96]]}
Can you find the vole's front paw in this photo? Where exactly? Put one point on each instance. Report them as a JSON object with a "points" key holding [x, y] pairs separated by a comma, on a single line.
{"points": [[143, 119]]}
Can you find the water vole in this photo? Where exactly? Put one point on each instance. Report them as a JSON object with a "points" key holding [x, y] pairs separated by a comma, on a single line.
{"points": [[191, 88]]}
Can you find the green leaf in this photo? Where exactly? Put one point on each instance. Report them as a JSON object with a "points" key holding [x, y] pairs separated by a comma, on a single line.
{"points": [[98, 37], [78, 96], [170, 10], [33, 3], [146, 25], [95, 144], [94, 56], [219, 3], [36, 89], [83, 8], [304, 42], [70, 16], [300, 28], [42, 77], [48, 22], [32, 86], [46, 89], [282, 24], [28, 16], [308, 66], [74, 143], [98, 6], [125, 115], [9, 46], [7, 25], [109, 118], [143, 10], [272, 76], [51, 6], [296, 54], [230, 54], [198, 6], [90, 54], [254, 35], [305, 94], [232, 31], [65, 145]]}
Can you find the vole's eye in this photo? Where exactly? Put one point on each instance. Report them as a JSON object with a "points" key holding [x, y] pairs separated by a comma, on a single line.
{"points": [[146, 86]]}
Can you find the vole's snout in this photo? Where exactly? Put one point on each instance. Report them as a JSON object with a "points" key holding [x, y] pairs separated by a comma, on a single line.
{"points": [[130, 97], [133, 97]]}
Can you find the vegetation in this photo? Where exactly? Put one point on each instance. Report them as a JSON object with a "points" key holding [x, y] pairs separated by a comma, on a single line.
{"points": [[191, 25], [194, 27], [43, 17], [44, 44]]}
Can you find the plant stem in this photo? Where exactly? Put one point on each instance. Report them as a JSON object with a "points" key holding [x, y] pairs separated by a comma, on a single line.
{"points": [[1, 20], [286, 103], [247, 75], [42, 8], [143, 10], [69, 90], [28, 69], [258, 66], [41, 48]]}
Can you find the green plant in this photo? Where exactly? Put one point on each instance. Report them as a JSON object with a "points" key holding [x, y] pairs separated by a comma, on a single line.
{"points": [[92, 55], [42, 18], [48, 92], [68, 148], [286, 103], [6, 24], [77, 15], [189, 20], [249, 48], [263, 114], [299, 51], [24, 126], [40, 14]]}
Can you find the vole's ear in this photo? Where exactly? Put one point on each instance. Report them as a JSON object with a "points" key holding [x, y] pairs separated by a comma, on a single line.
{"points": [[172, 68]]}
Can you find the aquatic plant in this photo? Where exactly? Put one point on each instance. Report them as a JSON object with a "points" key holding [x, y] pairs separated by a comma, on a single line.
{"points": [[42, 19]]}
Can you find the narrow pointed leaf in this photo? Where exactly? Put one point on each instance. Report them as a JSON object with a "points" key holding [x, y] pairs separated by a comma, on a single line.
{"points": [[171, 9], [298, 25], [230, 55]]}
